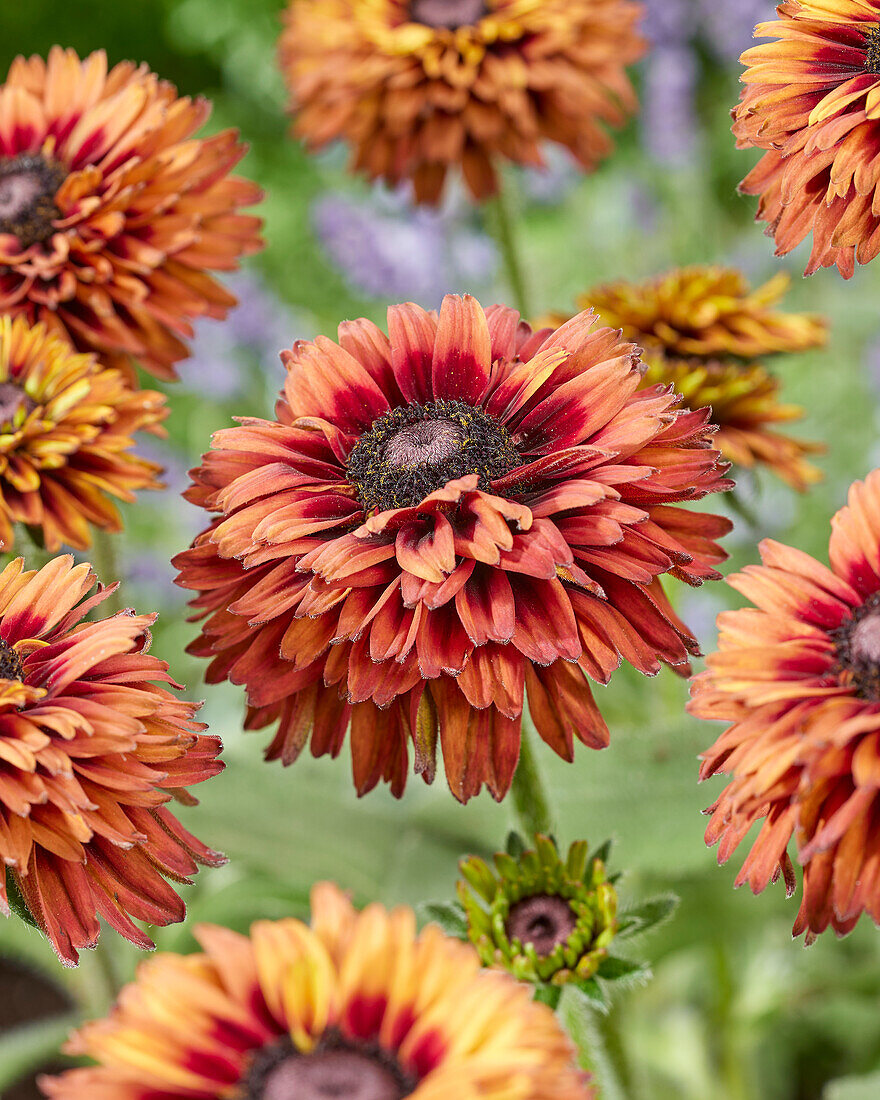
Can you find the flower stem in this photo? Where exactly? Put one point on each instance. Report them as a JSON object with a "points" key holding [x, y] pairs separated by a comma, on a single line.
{"points": [[500, 224], [600, 1045], [106, 564], [527, 790]]}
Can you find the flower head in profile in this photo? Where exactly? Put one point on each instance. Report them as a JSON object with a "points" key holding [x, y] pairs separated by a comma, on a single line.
{"points": [[544, 918], [810, 102], [797, 679], [112, 213], [419, 87], [441, 521], [93, 748], [701, 329], [66, 427], [356, 1005]]}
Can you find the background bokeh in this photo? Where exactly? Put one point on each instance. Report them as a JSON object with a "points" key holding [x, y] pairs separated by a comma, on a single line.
{"points": [[736, 1010]]}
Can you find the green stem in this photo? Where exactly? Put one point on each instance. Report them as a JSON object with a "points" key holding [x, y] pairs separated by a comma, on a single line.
{"points": [[107, 980], [600, 1045], [527, 790], [731, 1066], [106, 565], [501, 226], [35, 556]]}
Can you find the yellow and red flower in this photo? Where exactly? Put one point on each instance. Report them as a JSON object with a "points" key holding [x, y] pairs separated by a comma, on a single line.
{"points": [[810, 101], [112, 214], [699, 326], [441, 520], [418, 87], [92, 747], [706, 312], [66, 427], [355, 1004], [798, 678]]}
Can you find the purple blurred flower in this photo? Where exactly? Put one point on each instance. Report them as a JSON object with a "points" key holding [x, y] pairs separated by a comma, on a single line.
{"points": [[728, 26], [549, 185], [669, 22], [254, 332], [669, 118], [390, 249]]}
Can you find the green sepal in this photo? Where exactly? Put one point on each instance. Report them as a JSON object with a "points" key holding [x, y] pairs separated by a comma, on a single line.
{"points": [[614, 969], [548, 994], [449, 915], [649, 914], [603, 852], [589, 994], [17, 902], [515, 845]]}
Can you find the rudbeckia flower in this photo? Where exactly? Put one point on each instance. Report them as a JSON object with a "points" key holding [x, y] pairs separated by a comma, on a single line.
{"points": [[441, 521]]}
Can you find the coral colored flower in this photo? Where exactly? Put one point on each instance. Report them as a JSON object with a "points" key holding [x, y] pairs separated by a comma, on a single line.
{"points": [[92, 748], [441, 520], [697, 325], [798, 678], [355, 1005], [66, 427], [543, 918], [418, 87], [810, 101], [111, 213]]}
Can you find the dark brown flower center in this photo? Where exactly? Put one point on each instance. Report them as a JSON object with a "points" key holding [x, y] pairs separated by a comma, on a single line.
{"points": [[450, 14], [414, 450], [12, 398], [27, 197], [337, 1069], [872, 55], [543, 920], [857, 643], [10, 663]]}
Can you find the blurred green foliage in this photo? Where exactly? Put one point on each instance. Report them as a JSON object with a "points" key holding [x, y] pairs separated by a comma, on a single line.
{"points": [[736, 1011]]}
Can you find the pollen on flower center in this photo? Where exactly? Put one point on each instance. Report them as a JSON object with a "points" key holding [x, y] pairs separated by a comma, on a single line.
{"points": [[543, 920], [10, 663], [872, 57], [857, 643], [335, 1069], [414, 450], [12, 399], [27, 197], [450, 14]]}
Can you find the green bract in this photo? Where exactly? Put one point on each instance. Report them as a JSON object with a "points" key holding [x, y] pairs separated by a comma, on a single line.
{"points": [[490, 897]]}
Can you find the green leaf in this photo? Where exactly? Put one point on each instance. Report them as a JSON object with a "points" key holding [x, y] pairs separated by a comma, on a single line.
{"points": [[449, 916], [16, 901], [23, 1049], [649, 914], [548, 994], [853, 1088]]}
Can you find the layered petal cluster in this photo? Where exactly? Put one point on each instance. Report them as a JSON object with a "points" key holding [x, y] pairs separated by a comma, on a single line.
{"points": [[811, 100], [355, 1004], [92, 748], [797, 677], [419, 87], [66, 428], [112, 213], [442, 520], [706, 312], [702, 328]]}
